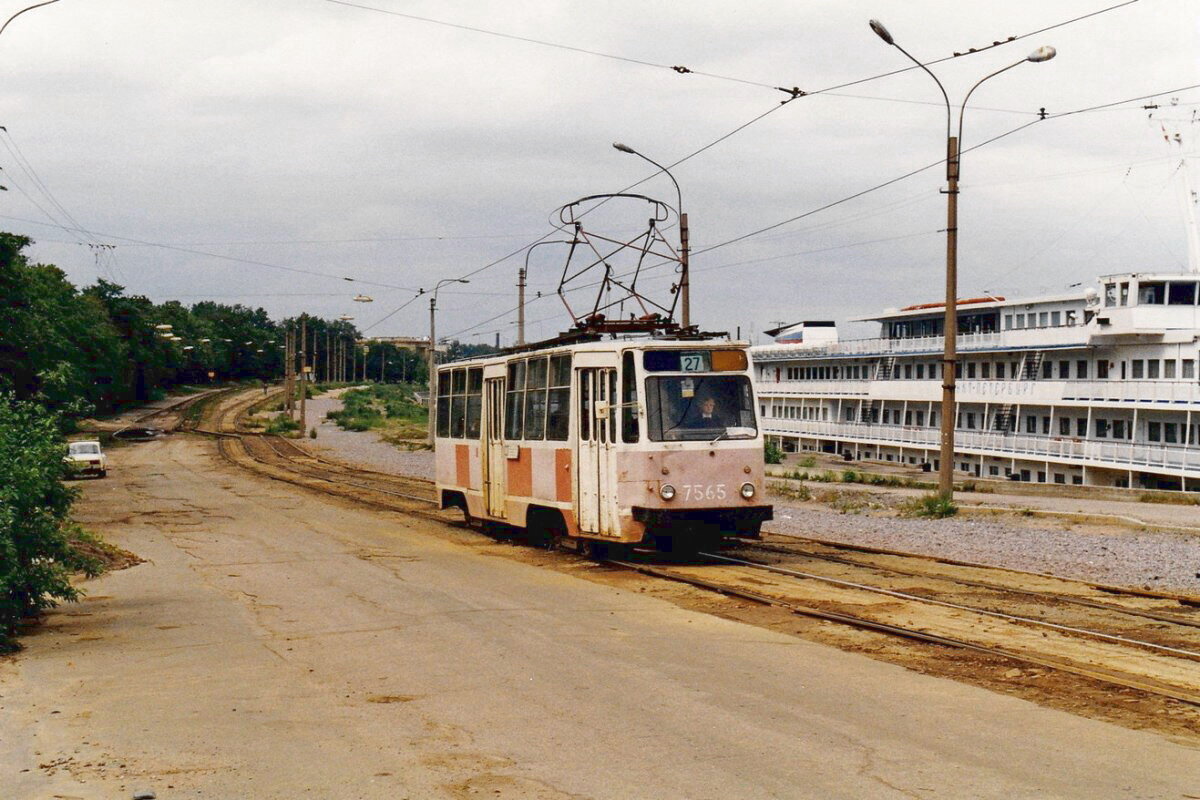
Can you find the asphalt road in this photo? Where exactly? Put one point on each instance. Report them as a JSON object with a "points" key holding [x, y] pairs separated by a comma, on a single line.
{"points": [[278, 645]]}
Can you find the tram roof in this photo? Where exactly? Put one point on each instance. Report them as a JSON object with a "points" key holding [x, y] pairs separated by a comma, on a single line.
{"points": [[593, 343]]}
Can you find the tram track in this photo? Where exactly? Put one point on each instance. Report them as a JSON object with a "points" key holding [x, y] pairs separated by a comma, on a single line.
{"points": [[1167, 668]]}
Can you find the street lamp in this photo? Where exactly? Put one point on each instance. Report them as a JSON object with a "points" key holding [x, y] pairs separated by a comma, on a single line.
{"points": [[684, 278], [432, 404], [950, 324]]}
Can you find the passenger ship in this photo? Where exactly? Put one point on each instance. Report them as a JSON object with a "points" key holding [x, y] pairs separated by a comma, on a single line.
{"points": [[1095, 388]]}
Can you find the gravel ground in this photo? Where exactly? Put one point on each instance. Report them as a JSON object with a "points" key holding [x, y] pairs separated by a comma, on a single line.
{"points": [[1160, 560], [364, 449], [1151, 559]]}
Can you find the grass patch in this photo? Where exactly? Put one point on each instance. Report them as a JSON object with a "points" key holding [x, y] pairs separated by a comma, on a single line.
{"points": [[282, 425], [1169, 498], [389, 408], [930, 506]]}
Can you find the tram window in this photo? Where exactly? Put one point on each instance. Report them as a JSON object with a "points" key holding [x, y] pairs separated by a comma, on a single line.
{"points": [[676, 408], [558, 402], [585, 406], [535, 399], [458, 404], [443, 403], [629, 396], [514, 405], [474, 401]]}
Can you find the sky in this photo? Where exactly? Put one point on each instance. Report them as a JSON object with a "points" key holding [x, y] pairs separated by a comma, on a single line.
{"points": [[263, 152]]}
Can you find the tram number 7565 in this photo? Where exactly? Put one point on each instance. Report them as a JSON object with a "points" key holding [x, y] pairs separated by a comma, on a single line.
{"points": [[699, 491]]}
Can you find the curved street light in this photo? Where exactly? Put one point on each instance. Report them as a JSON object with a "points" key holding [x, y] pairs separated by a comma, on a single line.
{"points": [[950, 323], [684, 277], [432, 403], [22, 11]]}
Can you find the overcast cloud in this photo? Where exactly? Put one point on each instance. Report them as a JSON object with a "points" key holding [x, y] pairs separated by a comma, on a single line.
{"points": [[317, 136]]}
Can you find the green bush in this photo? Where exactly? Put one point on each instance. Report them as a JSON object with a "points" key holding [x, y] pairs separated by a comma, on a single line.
{"points": [[807, 461], [771, 453], [36, 552], [281, 425], [930, 506]]}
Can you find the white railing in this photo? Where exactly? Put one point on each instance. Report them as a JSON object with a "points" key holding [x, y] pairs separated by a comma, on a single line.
{"points": [[1118, 455], [1024, 338], [1176, 394]]}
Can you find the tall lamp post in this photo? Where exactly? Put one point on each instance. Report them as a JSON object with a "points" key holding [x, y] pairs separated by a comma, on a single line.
{"points": [[432, 404], [684, 278], [950, 324]]}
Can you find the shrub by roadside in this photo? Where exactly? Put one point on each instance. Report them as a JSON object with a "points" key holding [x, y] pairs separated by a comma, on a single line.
{"points": [[40, 547]]}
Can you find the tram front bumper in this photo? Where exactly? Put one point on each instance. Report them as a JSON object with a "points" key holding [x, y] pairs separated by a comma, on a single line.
{"points": [[730, 520]]}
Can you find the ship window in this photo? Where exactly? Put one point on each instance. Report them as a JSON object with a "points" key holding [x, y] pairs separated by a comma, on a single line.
{"points": [[1020, 320], [1055, 318], [1110, 294], [1169, 368], [1081, 426], [1047, 369], [1181, 294], [999, 370], [1151, 293], [920, 372], [1124, 294], [1118, 428], [1064, 426], [970, 369], [1043, 319], [1138, 368], [1070, 317], [1030, 424], [1152, 369], [1081, 370], [1170, 433], [985, 370], [1102, 429], [1102, 368], [1064, 370], [970, 419], [1154, 431], [1189, 368], [1008, 322], [1046, 426]]}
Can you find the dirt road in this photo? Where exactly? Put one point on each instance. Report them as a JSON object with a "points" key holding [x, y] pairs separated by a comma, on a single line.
{"points": [[278, 644]]}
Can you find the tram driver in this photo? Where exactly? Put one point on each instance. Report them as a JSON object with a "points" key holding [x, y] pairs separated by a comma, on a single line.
{"points": [[704, 414]]}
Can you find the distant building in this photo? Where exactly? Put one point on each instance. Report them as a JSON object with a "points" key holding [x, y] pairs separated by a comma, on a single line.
{"points": [[418, 344]]}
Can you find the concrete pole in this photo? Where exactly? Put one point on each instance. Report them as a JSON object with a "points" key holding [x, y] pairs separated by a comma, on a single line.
{"points": [[950, 324], [432, 404], [685, 280], [303, 375], [521, 307]]}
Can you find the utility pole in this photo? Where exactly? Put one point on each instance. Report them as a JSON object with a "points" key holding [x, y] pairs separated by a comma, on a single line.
{"points": [[429, 404], [315, 374], [520, 307], [303, 375], [382, 361], [287, 371], [685, 280], [328, 359]]}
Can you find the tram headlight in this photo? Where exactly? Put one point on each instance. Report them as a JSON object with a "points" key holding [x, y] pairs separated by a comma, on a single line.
{"points": [[666, 491], [747, 490]]}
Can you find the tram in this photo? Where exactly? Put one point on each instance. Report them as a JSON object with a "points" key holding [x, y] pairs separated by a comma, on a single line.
{"points": [[630, 441]]}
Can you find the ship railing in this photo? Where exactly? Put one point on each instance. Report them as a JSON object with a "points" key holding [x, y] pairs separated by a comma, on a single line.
{"points": [[1114, 454], [1024, 338], [1166, 392]]}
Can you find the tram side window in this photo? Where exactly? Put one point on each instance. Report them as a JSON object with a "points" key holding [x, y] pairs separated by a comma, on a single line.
{"points": [[558, 403], [443, 403], [474, 401], [535, 398], [458, 404], [629, 411], [514, 407]]}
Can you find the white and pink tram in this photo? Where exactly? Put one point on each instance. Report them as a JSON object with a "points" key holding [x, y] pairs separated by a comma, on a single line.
{"points": [[628, 441]]}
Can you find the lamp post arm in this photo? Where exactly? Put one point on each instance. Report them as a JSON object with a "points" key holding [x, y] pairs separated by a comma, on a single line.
{"points": [[22, 11], [945, 96], [962, 109], [667, 172]]}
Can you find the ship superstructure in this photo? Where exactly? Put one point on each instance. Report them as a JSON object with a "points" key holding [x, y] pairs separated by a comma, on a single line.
{"points": [[1097, 387]]}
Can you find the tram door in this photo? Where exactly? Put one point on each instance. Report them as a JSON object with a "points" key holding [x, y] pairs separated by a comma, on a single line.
{"points": [[596, 457], [494, 460]]}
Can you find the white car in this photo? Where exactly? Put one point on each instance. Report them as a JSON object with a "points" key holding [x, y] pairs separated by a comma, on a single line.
{"points": [[86, 458]]}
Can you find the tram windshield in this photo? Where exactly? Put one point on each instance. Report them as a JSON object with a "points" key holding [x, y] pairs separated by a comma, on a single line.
{"points": [[700, 407]]}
